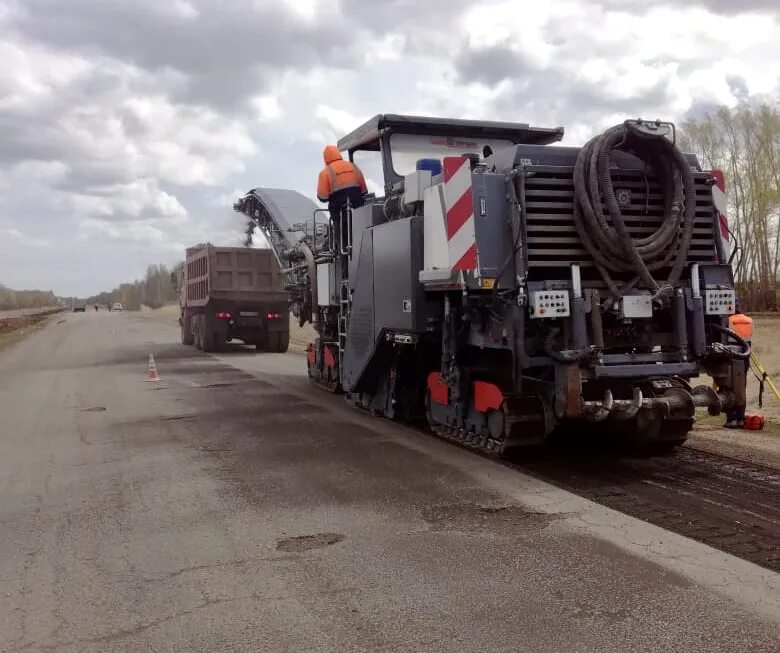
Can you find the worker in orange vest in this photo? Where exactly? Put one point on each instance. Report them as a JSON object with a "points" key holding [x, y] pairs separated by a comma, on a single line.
{"points": [[340, 182], [742, 325]]}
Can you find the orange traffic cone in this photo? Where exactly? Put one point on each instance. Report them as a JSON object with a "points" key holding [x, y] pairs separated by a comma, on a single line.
{"points": [[152, 374]]}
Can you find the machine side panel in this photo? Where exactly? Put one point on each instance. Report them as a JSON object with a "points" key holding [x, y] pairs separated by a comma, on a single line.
{"points": [[394, 274], [360, 332], [363, 218], [327, 294], [425, 308], [491, 224], [391, 258]]}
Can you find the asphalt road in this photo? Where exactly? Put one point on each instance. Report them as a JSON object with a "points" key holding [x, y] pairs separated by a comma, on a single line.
{"points": [[230, 507]]}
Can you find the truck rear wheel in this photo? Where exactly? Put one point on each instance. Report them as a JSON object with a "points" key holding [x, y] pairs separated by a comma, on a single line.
{"points": [[208, 338], [196, 332], [186, 332], [279, 342], [261, 340]]}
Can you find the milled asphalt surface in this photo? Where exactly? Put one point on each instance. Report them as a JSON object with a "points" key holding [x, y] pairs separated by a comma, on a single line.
{"points": [[230, 507]]}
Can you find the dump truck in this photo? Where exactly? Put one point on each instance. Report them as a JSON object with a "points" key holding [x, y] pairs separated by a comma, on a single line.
{"points": [[506, 288], [233, 293]]}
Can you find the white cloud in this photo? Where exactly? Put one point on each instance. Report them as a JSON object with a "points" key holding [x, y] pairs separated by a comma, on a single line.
{"points": [[180, 8], [131, 127], [140, 199], [336, 122], [45, 172], [267, 107], [389, 47], [31, 75], [307, 9], [25, 240]]}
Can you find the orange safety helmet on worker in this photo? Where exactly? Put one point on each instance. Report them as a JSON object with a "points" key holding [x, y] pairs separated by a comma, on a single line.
{"points": [[340, 181]]}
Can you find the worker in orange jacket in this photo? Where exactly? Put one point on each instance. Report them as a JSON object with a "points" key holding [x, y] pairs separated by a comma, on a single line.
{"points": [[742, 325], [340, 181]]}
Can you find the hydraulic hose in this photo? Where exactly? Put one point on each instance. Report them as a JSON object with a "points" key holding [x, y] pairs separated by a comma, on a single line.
{"points": [[603, 229], [733, 335], [566, 356]]}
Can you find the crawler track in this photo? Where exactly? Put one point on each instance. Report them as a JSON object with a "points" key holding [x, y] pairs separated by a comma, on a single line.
{"points": [[482, 444], [730, 505]]}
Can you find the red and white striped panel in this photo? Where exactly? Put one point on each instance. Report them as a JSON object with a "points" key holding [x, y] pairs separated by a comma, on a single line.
{"points": [[459, 218], [720, 202]]}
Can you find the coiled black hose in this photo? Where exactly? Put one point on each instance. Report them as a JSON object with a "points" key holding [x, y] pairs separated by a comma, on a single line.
{"points": [[604, 233], [733, 335]]}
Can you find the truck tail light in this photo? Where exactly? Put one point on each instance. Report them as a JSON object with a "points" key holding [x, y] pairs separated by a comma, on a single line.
{"points": [[273, 316], [224, 315]]}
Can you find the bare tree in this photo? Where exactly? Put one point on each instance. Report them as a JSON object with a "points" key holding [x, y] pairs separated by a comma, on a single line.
{"points": [[157, 288], [12, 299], [745, 144]]}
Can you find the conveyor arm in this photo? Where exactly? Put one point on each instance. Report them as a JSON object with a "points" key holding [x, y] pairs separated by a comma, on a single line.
{"points": [[295, 229]]}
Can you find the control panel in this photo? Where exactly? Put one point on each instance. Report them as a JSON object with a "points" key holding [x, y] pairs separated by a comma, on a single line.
{"points": [[549, 303], [719, 302]]}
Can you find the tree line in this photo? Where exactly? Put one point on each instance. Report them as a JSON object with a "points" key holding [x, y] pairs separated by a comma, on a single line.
{"points": [[14, 299], [744, 143], [159, 286]]}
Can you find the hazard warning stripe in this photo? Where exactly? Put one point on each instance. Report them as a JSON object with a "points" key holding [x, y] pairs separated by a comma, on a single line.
{"points": [[462, 211], [468, 261], [723, 221], [459, 218], [461, 245]]}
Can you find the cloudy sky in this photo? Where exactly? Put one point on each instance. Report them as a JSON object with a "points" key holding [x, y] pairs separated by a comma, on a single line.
{"points": [[127, 127]]}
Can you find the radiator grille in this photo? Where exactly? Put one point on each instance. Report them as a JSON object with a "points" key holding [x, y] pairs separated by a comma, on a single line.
{"points": [[552, 240]]}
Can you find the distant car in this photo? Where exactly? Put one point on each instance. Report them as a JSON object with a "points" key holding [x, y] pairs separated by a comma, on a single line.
{"points": [[79, 306], [117, 307]]}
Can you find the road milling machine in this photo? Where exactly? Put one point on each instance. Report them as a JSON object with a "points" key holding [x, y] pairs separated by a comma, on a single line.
{"points": [[505, 286]]}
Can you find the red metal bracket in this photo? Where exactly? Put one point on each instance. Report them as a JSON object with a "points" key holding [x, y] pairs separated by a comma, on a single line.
{"points": [[440, 392]]}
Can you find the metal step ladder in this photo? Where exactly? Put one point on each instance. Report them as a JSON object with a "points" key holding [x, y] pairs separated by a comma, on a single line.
{"points": [[344, 252], [345, 308]]}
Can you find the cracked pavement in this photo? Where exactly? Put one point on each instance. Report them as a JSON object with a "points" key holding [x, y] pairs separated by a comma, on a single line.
{"points": [[230, 507]]}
